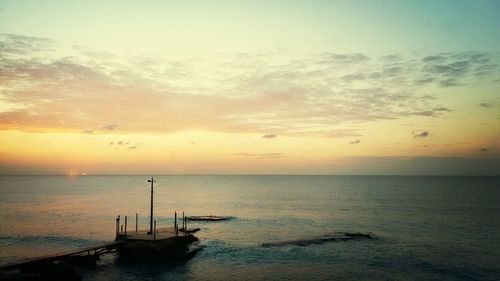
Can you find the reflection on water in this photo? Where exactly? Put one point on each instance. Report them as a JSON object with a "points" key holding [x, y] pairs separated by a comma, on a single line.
{"points": [[442, 228]]}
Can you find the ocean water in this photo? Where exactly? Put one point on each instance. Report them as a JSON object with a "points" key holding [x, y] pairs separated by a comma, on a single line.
{"points": [[425, 228]]}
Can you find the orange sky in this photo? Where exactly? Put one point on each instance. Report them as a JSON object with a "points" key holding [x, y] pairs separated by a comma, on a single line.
{"points": [[117, 98]]}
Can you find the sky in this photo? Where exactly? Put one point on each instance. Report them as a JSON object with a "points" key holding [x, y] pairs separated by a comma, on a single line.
{"points": [[250, 87]]}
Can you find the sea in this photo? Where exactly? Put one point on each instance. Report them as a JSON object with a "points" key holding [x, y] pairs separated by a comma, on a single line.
{"points": [[423, 228]]}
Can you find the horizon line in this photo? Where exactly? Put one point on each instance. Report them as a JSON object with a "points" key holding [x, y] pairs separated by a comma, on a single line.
{"points": [[360, 175]]}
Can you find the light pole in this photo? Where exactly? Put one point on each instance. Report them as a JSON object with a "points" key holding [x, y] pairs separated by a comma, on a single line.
{"points": [[151, 218]]}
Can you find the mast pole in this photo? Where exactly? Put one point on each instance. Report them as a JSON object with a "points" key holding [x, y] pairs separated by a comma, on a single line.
{"points": [[151, 218]]}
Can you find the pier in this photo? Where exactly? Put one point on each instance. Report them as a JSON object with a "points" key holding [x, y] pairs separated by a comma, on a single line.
{"points": [[138, 241], [167, 243]]}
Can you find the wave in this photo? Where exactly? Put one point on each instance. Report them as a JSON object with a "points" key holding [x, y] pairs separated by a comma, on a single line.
{"points": [[331, 237]]}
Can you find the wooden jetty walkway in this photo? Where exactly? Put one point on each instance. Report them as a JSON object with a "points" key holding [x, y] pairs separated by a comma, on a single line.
{"points": [[89, 252]]}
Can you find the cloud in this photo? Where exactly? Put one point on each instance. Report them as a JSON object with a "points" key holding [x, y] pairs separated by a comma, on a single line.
{"points": [[261, 155], [122, 144], [451, 69], [109, 127], [485, 69], [425, 81], [487, 104], [391, 57], [434, 58], [422, 134], [310, 95], [431, 112], [354, 77], [345, 58], [354, 142], [450, 82], [442, 109], [424, 113], [269, 136], [14, 44]]}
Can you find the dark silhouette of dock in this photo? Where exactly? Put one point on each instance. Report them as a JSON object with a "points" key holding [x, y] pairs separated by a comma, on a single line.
{"points": [[87, 253], [166, 243]]}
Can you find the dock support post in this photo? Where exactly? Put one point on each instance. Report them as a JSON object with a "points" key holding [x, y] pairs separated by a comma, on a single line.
{"points": [[183, 222], [122, 229], [154, 233], [125, 225], [117, 225], [185, 226], [136, 219], [175, 224]]}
